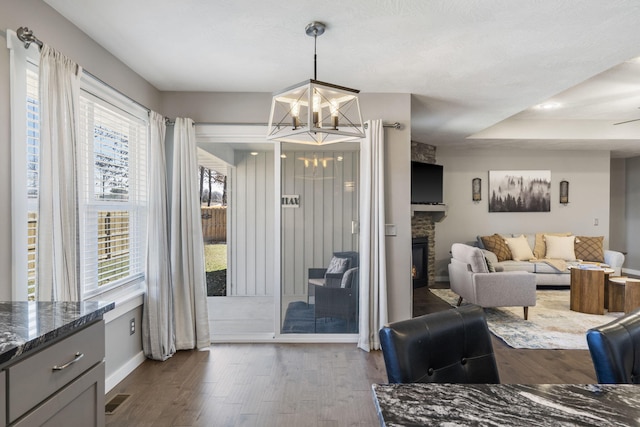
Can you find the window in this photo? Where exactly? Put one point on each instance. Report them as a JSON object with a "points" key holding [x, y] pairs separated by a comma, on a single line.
{"points": [[112, 183], [32, 161], [113, 194]]}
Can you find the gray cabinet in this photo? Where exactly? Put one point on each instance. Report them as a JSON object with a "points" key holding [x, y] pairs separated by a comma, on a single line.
{"points": [[62, 384], [3, 399]]}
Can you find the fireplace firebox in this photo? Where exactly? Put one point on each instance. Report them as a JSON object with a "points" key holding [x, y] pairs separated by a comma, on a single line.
{"points": [[420, 264]]}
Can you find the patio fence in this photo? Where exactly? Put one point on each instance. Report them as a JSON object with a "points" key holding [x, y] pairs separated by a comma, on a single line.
{"points": [[214, 223]]}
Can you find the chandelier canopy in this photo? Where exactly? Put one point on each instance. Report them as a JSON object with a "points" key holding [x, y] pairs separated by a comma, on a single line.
{"points": [[315, 112]]}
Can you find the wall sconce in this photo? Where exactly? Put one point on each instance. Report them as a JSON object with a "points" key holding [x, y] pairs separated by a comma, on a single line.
{"points": [[476, 189], [564, 192]]}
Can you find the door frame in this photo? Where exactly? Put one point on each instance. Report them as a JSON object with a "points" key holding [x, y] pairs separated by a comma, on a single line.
{"points": [[248, 134]]}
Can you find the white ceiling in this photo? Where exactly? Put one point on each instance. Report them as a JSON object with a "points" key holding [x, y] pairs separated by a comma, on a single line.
{"points": [[475, 68]]}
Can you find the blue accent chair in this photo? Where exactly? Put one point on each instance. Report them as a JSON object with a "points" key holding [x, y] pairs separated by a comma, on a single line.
{"points": [[615, 350]]}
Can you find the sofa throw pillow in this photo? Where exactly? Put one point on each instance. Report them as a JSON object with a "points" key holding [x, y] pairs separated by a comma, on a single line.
{"points": [[348, 276], [589, 248], [560, 247], [540, 249], [519, 247], [490, 266], [337, 265], [498, 246]]}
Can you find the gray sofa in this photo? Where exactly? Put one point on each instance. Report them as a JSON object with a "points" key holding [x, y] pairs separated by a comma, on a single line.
{"points": [[546, 274]]}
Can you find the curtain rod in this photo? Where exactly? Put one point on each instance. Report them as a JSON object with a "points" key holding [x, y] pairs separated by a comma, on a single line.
{"points": [[26, 36], [168, 122]]}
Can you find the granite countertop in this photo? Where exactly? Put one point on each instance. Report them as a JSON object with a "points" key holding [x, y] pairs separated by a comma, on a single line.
{"points": [[26, 325], [507, 404]]}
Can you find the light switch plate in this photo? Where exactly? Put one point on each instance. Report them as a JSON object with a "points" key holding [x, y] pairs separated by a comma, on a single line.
{"points": [[390, 230]]}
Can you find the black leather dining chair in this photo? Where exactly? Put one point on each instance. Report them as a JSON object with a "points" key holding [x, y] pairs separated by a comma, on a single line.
{"points": [[451, 346], [615, 350]]}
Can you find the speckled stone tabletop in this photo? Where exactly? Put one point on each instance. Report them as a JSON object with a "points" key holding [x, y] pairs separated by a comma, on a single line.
{"points": [[26, 325], [507, 405]]}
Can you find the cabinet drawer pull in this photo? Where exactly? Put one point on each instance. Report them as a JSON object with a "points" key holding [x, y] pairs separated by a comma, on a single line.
{"points": [[77, 357]]}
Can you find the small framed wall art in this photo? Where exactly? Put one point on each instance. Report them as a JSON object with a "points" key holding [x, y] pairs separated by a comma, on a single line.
{"points": [[564, 192], [476, 189]]}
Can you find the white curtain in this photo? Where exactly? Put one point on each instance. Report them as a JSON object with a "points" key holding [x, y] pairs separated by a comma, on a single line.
{"points": [[158, 336], [373, 270], [58, 246], [187, 246]]}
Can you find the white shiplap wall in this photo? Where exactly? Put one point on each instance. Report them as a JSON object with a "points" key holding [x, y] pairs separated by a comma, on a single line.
{"points": [[252, 258], [322, 224]]}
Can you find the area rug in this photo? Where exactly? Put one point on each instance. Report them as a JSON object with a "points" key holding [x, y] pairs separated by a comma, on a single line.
{"points": [[300, 319], [551, 324]]}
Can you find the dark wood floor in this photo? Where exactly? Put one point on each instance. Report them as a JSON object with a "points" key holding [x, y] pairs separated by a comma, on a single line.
{"points": [[298, 384]]}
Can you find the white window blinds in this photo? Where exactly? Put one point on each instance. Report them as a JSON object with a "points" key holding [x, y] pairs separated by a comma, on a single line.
{"points": [[112, 194]]}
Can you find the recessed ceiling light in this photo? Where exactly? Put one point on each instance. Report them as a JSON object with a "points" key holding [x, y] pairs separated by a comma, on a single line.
{"points": [[254, 153], [283, 156], [548, 106]]}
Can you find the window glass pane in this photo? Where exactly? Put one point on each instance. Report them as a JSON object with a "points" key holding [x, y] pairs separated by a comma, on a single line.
{"points": [[32, 170], [113, 246], [33, 133], [111, 155]]}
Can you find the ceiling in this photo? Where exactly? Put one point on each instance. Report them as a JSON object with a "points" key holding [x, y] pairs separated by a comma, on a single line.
{"points": [[476, 69]]}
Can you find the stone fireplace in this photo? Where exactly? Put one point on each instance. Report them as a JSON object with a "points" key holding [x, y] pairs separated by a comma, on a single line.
{"points": [[423, 224]]}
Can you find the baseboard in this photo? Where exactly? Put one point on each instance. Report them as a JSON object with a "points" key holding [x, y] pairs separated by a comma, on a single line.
{"points": [[282, 338], [631, 271], [122, 372]]}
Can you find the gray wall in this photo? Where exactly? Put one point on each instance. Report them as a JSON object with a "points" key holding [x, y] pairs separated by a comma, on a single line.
{"points": [[586, 171], [120, 345], [396, 108], [618, 206], [633, 213]]}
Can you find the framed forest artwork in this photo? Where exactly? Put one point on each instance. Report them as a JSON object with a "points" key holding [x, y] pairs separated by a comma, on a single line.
{"points": [[519, 191]]}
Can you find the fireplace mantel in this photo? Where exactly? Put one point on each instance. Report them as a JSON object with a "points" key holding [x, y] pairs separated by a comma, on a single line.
{"points": [[439, 211]]}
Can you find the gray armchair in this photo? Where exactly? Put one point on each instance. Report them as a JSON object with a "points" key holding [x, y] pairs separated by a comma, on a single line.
{"points": [[319, 277], [470, 278], [339, 302]]}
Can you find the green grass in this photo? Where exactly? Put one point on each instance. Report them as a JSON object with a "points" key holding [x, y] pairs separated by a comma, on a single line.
{"points": [[215, 257]]}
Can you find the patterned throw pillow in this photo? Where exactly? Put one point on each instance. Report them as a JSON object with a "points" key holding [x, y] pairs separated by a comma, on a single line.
{"points": [[498, 246], [589, 248], [337, 265]]}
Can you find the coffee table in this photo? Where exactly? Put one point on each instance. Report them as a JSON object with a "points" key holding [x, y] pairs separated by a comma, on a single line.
{"points": [[624, 294], [587, 289]]}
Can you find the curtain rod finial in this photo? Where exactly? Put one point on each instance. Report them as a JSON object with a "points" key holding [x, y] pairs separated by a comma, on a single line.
{"points": [[26, 35]]}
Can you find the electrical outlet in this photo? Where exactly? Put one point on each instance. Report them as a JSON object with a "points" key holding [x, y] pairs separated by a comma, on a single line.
{"points": [[132, 326]]}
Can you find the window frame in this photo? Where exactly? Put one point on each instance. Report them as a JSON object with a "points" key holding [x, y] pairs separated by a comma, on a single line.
{"points": [[98, 91]]}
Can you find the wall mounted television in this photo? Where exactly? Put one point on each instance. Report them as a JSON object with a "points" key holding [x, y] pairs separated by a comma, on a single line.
{"points": [[426, 184]]}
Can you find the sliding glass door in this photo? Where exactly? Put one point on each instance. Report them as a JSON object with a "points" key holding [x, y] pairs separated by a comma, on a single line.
{"points": [[238, 215], [319, 238]]}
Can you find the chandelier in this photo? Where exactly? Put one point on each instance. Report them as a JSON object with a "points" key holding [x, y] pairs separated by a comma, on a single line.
{"points": [[315, 112]]}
